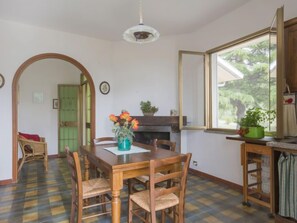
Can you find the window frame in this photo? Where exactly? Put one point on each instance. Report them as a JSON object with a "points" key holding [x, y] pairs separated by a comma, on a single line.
{"points": [[210, 87], [182, 125], [279, 21]]}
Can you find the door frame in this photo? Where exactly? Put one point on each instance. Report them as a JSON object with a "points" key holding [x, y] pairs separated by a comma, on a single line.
{"points": [[15, 83]]}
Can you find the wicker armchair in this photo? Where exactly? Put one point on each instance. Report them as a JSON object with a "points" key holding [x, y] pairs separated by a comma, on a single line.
{"points": [[32, 150]]}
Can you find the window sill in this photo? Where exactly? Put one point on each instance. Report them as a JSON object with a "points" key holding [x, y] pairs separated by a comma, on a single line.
{"points": [[222, 131]]}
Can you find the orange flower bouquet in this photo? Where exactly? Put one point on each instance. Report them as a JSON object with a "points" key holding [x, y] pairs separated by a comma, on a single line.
{"points": [[123, 128]]}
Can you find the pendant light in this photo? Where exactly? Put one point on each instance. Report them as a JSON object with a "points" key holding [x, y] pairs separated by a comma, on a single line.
{"points": [[141, 33]]}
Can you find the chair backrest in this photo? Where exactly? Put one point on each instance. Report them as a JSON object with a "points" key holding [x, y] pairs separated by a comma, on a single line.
{"points": [[144, 146], [103, 140], [75, 170], [31, 146], [179, 166], [166, 144]]}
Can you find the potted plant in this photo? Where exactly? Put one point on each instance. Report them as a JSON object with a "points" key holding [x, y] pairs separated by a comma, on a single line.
{"points": [[123, 128], [147, 108], [251, 125]]}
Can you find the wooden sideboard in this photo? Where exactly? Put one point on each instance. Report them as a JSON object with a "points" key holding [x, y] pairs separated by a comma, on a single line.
{"points": [[253, 191], [259, 146]]}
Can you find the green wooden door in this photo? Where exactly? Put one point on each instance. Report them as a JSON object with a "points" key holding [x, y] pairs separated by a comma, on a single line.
{"points": [[68, 117]]}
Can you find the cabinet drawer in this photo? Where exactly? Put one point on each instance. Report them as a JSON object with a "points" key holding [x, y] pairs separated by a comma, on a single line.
{"points": [[259, 149]]}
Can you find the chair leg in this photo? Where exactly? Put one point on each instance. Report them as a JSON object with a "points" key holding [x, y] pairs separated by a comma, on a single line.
{"points": [[130, 208], [147, 185], [103, 201], [72, 209], [130, 186], [153, 217], [21, 164], [180, 211], [147, 216], [79, 210], [163, 216], [45, 163]]}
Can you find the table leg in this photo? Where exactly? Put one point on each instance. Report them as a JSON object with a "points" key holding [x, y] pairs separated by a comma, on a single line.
{"points": [[116, 186], [87, 167], [116, 206]]}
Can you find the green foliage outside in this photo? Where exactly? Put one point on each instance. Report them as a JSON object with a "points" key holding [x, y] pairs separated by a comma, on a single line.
{"points": [[256, 89]]}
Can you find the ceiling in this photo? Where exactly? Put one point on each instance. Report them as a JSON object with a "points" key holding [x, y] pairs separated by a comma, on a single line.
{"points": [[108, 19]]}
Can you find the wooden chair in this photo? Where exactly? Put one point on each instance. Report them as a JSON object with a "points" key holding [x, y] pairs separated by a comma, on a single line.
{"points": [[103, 140], [99, 141], [144, 180], [32, 150], [165, 144], [81, 190], [156, 198]]}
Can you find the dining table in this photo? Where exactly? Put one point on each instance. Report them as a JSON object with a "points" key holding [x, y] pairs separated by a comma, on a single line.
{"points": [[121, 165]]}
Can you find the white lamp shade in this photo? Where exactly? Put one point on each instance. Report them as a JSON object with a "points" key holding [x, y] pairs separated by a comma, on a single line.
{"points": [[141, 34]]}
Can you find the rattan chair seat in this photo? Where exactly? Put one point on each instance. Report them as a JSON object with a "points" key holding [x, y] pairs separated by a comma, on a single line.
{"points": [[163, 202], [94, 187]]}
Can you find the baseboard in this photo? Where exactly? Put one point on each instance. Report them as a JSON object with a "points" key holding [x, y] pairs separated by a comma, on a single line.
{"points": [[216, 180], [5, 182]]}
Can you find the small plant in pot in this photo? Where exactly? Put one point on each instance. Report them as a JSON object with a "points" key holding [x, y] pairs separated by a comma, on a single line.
{"points": [[147, 108], [251, 125]]}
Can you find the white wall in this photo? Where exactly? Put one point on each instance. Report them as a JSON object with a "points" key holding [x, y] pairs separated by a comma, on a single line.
{"points": [[135, 73], [251, 17], [145, 72], [20, 42], [40, 118]]}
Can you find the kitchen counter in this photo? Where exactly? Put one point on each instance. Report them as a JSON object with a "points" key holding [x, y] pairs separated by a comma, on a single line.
{"points": [[263, 146], [289, 144], [262, 141]]}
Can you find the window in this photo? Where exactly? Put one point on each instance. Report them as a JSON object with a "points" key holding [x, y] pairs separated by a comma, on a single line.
{"points": [[241, 79], [192, 90]]}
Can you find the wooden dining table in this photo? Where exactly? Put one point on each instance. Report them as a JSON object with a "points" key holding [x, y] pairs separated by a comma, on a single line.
{"points": [[121, 167]]}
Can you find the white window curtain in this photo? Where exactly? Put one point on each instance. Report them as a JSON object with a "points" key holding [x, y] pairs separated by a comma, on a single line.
{"points": [[287, 169]]}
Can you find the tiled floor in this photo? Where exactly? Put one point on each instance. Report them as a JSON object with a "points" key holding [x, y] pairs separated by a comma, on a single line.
{"points": [[45, 197]]}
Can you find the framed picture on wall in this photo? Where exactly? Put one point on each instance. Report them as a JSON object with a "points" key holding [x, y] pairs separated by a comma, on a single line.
{"points": [[104, 87], [2, 81], [55, 103]]}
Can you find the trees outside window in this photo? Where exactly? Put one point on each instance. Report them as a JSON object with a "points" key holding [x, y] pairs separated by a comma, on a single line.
{"points": [[241, 79]]}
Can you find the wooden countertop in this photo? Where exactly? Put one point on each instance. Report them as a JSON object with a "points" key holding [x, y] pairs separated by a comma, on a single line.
{"points": [[262, 141], [289, 144]]}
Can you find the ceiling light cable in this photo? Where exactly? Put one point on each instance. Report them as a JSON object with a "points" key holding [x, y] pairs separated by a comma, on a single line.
{"points": [[141, 33], [140, 13]]}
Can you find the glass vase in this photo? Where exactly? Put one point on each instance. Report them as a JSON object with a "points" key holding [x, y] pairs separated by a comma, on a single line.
{"points": [[124, 144]]}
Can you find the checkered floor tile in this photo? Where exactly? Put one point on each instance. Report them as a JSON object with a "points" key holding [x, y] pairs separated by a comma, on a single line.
{"points": [[45, 197]]}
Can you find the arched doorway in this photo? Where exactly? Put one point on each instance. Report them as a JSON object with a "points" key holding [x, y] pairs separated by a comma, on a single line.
{"points": [[15, 83]]}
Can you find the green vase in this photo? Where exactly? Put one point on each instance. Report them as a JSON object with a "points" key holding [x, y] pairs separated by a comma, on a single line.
{"points": [[124, 144], [255, 133]]}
